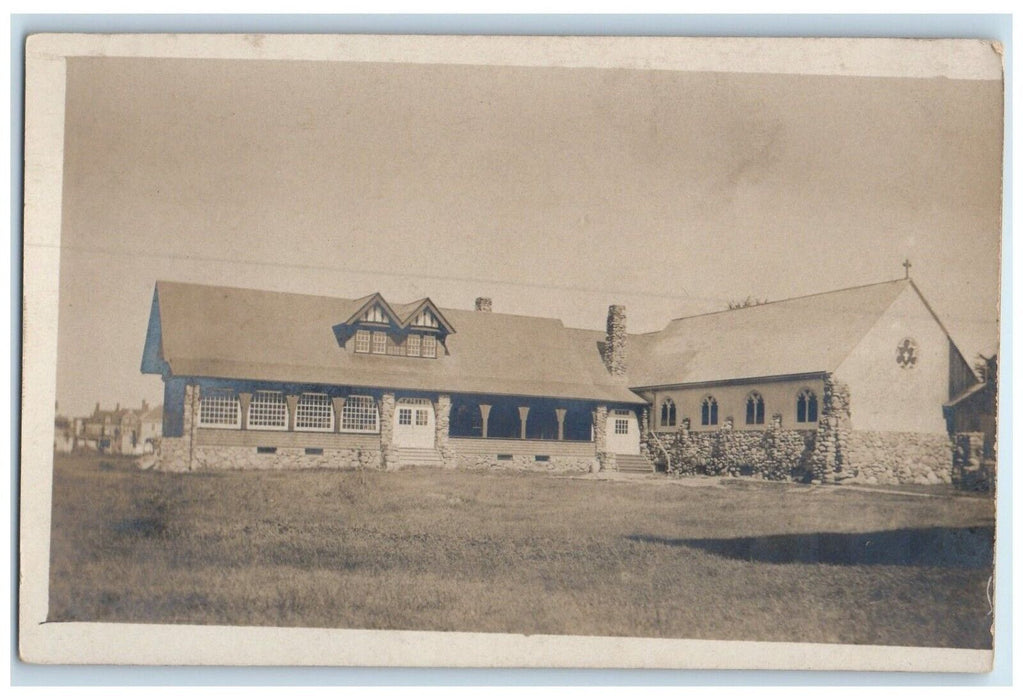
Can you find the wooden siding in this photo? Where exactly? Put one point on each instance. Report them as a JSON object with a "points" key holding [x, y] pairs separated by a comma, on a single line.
{"points": [[493, 446], [273, 438]]}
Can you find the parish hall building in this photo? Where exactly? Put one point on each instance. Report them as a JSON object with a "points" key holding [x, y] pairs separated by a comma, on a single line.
{"points": [[857, 384]]}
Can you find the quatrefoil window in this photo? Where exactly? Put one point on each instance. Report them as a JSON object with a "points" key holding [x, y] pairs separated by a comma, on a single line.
{"points": [[907, 354]]}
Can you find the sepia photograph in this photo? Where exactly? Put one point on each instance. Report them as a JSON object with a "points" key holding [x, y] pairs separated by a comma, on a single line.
{"points": [[511, 351]]}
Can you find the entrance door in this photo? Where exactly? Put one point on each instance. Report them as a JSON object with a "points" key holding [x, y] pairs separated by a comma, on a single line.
{"points": [[622, 432], [414, 424]]}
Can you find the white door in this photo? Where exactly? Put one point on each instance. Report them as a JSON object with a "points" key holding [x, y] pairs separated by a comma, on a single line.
{"points": [[622, 432], [414, 424]]}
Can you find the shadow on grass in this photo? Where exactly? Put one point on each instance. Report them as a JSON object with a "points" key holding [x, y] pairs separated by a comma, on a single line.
{"points": [[950, 547]]}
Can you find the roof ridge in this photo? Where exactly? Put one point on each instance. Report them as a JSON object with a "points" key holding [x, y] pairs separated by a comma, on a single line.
{"points": [[795, 298]]}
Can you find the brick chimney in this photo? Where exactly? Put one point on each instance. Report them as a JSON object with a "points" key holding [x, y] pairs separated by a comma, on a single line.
{"points": [[616, 342], [484, 304]]}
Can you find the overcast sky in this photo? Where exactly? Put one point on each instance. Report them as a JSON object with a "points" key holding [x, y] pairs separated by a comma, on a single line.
{"points": [[556, 191]]}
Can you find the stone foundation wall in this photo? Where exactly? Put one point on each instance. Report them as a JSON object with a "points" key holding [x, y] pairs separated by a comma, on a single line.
{"points": [[172, 454], [556, 463], [899, 458], [220, 457]]}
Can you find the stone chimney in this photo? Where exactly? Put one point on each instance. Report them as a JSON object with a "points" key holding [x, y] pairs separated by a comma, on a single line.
{"points": [[97, 409], [616, 342], [484, 304]]}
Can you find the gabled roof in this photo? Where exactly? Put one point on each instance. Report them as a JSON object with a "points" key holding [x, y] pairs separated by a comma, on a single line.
{"points": [[804, 335], [209, 331]]}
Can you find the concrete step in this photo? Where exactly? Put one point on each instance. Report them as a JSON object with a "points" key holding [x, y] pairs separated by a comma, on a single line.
{"points": [[408, 456], [634, 464]]}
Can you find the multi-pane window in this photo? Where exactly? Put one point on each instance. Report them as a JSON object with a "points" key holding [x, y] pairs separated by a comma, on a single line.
{"points": [[268, 411], [429, 346], [362, 341], [219, 408], [754, 409], [621, 426], [412, 345], [379, 342], [426, 319], [806, 407], [668, 413], [314, 412], [422, 417], [709, 411], [359, 415], [404, 416]]}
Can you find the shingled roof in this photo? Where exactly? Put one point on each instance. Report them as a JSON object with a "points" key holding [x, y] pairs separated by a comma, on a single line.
{"points": [[231, 333], [804, 335]]}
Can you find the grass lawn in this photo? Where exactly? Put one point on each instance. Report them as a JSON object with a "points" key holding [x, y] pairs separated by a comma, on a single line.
{"points": [[520, 552]]}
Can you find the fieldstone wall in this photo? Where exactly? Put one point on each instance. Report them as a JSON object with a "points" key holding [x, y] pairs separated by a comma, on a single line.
{"points": [[775, 453], [899, 458], [172, 454], [218, 457], [527, 462]]}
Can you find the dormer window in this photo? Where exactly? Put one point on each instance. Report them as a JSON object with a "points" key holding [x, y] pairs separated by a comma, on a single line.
{"points": [[379, 343], [425, 319], [375, 314], [429, 346], [362, 341], [412, 345]]}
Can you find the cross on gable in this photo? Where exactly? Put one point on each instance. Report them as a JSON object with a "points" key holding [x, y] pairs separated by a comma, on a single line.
{"points": [[906, 264]]}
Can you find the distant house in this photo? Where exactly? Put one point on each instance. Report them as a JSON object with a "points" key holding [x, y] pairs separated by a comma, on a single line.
{"points": [[124, 431], [843, 384], [63, 434]]}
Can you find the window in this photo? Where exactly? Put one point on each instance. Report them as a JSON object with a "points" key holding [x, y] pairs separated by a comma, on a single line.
{"points": [[314, 412], [266, 450], [621, 426], [754, 409], [429, 346], [314, 450], [425, 319], [412, 345], [375, 315], [268, 411], [219, 408], [404, 416], [379, 343], [359, 415], [709, 411], [667, 413], [806, 407], [361, 341], [422, 417]]}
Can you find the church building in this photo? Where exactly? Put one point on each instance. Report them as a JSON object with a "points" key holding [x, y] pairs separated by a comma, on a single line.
{"points": [[848, 384]]}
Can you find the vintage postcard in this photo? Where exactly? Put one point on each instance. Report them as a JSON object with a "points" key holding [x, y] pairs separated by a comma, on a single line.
{"points": [[511, 351]]}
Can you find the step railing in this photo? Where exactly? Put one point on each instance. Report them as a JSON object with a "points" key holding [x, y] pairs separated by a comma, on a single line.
{"points": [[667, 457]]}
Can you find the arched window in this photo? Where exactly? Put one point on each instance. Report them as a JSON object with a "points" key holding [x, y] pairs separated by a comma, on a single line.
{"points": [[754, 409], [219, 408], [709, 411], [360, 415], [314, 412], [806, 407], [667, 413], [268, 411]]}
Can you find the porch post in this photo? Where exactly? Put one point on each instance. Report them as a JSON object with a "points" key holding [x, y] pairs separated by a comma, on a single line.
{"points": [[292, 407], [388, 450], [244, 399], [339, 407], [442, 423], [523, 414], [485, 412], [560, 413]]}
